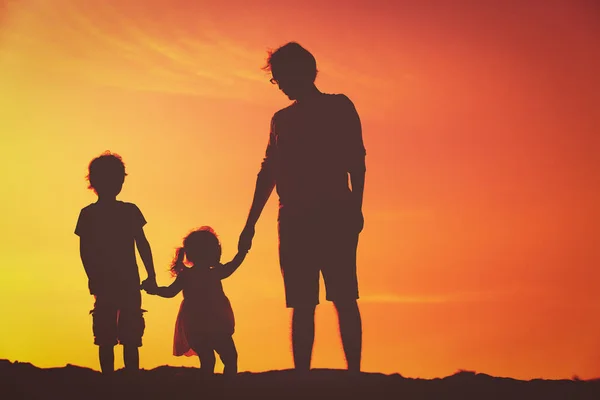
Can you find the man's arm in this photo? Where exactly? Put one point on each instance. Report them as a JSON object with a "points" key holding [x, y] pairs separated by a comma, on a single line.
{"points": [[356, 165], [262, 191], [264, 187], [357, 179], [265, 183]]}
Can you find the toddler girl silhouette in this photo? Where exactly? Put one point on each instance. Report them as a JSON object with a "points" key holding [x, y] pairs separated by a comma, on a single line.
{"points": [[205, 322]]}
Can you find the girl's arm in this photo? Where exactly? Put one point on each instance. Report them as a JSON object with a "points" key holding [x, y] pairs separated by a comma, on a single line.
{"points": [[167, 291], [225, 270]]}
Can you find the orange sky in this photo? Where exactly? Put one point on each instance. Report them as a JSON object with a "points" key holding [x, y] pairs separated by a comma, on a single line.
{"points": [[480, 249]]}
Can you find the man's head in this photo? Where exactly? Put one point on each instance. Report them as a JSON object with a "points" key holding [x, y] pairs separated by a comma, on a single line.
{"points": [[293, 68], [106, 174]]}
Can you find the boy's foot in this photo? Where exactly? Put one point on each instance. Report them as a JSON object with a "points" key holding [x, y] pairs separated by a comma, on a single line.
{"points": [[204, 374]]}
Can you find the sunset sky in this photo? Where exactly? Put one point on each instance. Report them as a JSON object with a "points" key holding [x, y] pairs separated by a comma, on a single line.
{"points": [[480, 118]]}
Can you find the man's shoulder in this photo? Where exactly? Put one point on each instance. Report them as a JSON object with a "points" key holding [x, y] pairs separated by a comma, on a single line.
{"points": [[341, 99], [284, 111]]}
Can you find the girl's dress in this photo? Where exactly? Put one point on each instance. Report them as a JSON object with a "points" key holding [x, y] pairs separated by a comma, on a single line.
{"points": [[205, 311]]}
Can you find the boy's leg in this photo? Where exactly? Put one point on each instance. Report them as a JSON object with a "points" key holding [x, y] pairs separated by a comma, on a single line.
{"points": [[104, 327], [107, 359], [131, 357], [228, 353], [131, 326]]}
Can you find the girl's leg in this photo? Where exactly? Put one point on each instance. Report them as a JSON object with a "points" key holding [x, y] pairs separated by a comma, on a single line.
{"points": [[228, 353], [207, 358]]}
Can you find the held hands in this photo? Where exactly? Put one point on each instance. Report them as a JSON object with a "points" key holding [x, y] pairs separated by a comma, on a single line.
{"points": [[245, 242], [149, 285]]}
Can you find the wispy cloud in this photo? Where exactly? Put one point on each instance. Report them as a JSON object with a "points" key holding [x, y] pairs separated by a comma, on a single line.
{"points": [[105, 47], [103, 44]]}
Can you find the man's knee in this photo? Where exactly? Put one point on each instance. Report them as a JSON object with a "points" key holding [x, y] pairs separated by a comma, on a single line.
{"points": [[304, 311], [346, 306]]}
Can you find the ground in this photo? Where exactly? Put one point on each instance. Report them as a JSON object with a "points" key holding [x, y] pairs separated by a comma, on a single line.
{"points": [[25, 381]]}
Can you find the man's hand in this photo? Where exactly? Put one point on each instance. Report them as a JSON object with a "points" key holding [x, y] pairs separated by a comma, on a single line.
{"points": [[245, 242], [149, 284]]}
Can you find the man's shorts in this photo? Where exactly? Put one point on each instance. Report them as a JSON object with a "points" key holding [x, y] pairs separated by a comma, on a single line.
{"points": [[118, 318], [319, 243]]}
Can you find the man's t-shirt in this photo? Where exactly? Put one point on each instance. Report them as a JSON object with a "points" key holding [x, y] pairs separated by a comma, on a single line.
{"points": [[110, 228], [311, 149]]}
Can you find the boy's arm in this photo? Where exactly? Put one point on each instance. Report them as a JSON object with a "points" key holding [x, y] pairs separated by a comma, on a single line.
{"points": [[225, 270], [87, 259], [166, 291], [146, 254]]}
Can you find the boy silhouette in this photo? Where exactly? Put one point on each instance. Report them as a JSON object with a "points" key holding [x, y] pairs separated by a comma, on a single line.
{"points": [[109, 230]]}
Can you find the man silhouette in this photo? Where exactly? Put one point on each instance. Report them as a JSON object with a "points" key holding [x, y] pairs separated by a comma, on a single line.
{"points": [[313, 145]]}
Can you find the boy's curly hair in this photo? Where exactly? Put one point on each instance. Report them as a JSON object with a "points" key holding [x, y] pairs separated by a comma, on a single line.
{"points": [[106, 169]]}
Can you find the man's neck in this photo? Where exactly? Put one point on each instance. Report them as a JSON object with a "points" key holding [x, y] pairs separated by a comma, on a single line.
{"points": [[309, 94]]}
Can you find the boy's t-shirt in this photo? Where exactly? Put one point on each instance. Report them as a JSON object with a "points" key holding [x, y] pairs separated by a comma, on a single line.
{"points": [[111, 229]]}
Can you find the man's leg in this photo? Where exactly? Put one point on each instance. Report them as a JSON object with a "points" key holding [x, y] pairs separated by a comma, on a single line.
{"points": [[350, 324], [300, 269], [303, 336], [341, 284]]}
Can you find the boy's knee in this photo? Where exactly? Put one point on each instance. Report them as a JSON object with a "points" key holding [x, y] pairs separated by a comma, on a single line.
{"points": [[104, 327], [131, 327], [234, 354], [229, 357]]}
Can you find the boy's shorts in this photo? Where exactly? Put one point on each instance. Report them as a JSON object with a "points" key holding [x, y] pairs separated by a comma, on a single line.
{"points": [[312, 245], [118, 318]]}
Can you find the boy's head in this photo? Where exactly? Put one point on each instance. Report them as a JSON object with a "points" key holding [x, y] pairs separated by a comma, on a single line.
{"points": [[202, 246], [292, 67], [106, 174]]}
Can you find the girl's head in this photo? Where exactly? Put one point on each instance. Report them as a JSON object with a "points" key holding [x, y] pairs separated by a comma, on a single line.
{"points": [[201, 247]]}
